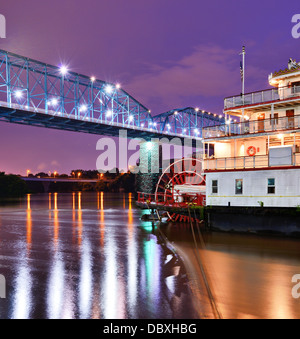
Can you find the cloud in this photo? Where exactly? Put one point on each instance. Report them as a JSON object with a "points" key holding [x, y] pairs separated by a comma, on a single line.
{"points": [[42, 166], [209, 71], [55, 163]]}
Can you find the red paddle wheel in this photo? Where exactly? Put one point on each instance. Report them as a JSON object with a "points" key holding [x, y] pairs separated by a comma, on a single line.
{"points": [[181, 185]]}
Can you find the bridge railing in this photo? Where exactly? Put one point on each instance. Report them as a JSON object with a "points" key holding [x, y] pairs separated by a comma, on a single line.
{"points": [[48, 112]]}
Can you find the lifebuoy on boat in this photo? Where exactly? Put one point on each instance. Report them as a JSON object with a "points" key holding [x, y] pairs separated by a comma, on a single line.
{"points": [[251, 151]]}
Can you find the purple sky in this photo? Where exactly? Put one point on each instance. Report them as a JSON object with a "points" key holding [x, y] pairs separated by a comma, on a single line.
{"points": [[166, 53]]}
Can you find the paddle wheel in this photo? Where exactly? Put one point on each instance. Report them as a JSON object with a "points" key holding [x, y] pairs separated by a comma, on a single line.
{"points": [[181, 185]]}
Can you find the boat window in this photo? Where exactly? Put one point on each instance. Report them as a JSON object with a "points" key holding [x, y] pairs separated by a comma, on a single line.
{"points": [[238, 186], [271, 186], [214, 186]]}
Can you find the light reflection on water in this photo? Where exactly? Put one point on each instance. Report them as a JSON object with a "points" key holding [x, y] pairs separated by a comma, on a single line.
{"points": [[251, 276], [84, 255]]}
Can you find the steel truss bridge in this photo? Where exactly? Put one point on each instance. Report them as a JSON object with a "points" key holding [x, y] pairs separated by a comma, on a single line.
{"points": [[37, 94]]}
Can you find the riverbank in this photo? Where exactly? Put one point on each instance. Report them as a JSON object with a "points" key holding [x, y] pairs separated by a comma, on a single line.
{"points": [[11, 186]]}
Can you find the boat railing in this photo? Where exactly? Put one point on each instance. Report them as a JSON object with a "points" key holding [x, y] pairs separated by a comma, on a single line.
{"points": [[264, 96], [252, 127], [243, 162], [170, 200], [258, 161]]}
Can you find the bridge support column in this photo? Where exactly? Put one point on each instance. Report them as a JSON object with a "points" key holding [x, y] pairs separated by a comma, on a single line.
{"points": [[150, 166], [46, 185]]}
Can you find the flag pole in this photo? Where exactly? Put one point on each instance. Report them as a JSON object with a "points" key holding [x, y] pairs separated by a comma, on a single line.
{"points": [[242, 69], [243, 86]]}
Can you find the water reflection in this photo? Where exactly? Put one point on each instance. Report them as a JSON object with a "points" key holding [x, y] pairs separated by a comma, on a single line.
{"points": [[91, 262], [56, 285], [86, 281], [22, 297], [79, 215], [102, 217], [132, 260], [151, 255], [56, 221], [250, 275], [29, 224], [111, 278], [73, 217]]}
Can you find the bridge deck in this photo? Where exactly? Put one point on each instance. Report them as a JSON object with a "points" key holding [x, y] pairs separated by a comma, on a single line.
{"points": [[18, 115]]}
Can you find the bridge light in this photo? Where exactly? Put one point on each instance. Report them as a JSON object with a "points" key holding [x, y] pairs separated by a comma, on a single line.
{"points": [[109, 113], [118, 86], [175, 112], [93, 79], [63, 70], [18, 94], [109, 89], [54, 102], [83, 108], [197, 109]]}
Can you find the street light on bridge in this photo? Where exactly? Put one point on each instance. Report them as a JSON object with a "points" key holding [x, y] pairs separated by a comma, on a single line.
{"points": [[28, 172]]}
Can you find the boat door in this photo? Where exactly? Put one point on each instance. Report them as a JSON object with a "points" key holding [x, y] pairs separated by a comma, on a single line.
{"points": [[290, 118], [261, 122]]}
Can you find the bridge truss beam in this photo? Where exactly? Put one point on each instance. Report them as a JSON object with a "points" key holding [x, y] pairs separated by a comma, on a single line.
{"points": [[38, 94], [187, 121], [55, 91]]}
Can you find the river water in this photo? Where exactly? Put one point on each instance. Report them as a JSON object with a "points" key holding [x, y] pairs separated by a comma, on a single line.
{"points": [[250, 276], [89, 255]]}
